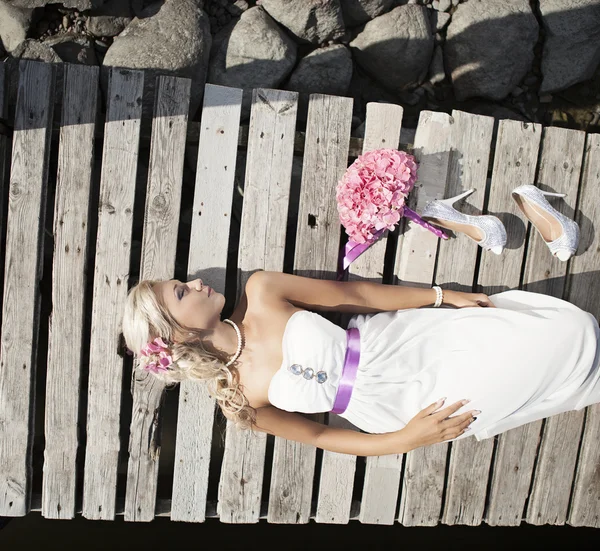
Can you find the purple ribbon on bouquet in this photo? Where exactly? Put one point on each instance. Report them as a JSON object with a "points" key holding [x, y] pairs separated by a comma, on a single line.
{"points": [[352, 250]]}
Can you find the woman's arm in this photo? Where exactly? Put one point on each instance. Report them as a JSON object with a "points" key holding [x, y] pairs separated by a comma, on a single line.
{"points": [[359, 297], [427, 427]]}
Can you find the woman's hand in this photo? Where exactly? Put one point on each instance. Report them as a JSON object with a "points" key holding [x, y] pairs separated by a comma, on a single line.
{"points": [[433, 425], [467, 300]]}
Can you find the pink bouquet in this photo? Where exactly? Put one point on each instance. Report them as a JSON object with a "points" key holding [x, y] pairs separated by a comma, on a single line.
{"points": [[371, 197]]}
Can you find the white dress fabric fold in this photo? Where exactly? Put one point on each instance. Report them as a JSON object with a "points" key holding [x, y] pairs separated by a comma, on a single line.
{"points": [[531, 357]]}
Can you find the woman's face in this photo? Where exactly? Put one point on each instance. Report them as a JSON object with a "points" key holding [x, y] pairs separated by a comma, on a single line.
{"points": [[193, 304]]}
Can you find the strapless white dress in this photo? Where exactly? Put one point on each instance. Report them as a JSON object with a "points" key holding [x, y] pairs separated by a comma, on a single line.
{"points": [[531, 357]]}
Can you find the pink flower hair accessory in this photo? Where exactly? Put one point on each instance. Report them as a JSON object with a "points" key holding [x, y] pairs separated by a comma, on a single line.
{"points": [[159, 353], [371, 197]]}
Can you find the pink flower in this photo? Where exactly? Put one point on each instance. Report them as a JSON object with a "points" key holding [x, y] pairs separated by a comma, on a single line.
{"points": [[371, 194], [159, 348]]}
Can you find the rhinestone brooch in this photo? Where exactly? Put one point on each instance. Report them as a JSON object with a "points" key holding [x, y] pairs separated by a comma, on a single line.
{"points": [[308, 373]]}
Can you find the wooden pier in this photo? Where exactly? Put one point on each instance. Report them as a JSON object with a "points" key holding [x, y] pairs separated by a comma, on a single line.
{"points": [[77, 191]]}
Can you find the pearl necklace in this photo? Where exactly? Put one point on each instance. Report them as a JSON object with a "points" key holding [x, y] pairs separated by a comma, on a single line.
{"points": [[239, 346]]}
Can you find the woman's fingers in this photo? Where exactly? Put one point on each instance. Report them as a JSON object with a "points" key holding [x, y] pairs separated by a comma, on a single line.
{"points": [[461, 419], [446, 412], [431, 408]]}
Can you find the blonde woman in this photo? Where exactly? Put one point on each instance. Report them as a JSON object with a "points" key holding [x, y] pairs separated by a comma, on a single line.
{"points": [[406, 372]]}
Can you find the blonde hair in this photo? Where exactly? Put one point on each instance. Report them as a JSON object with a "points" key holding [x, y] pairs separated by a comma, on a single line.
{"points": [[145, 318]]}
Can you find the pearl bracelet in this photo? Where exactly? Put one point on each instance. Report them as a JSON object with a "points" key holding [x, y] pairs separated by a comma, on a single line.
{"points": [[439, 296]]}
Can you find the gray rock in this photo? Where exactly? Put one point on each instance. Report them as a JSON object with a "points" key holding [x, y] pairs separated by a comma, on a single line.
{"points": [[73, 49], [14, 24], [170, 39], [439, 20], [572, 45], [442, 5], [314, 21], [324, 71], [252, 52], [436, 69], [77, 4], [110, 19], [357, 12], [396, 48], [489, 47]]}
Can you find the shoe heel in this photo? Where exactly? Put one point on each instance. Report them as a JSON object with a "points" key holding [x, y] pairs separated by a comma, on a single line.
{"points": [[451, 200], [549, 194]]}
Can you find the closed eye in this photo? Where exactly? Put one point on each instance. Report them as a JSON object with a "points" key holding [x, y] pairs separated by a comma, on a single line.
{"points": [[179, 291]]}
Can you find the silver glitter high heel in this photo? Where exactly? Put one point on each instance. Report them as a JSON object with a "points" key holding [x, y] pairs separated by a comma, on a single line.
{"points": [[492, 228], [565, 245]]}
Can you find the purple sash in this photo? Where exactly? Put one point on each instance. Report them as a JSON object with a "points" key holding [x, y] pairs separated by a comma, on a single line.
{"points": [[352, 250], [344, 391]]}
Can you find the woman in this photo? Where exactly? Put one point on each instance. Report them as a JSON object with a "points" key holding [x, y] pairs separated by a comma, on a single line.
{"points": [[517, 356]]}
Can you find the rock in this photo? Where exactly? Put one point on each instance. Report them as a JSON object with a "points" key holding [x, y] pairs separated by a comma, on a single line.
{"points": [[110, 19], [252, 52], [439, 20], [73, 49], [545, 98], [170, 39], [323, 71], [237, 8], [442, 5], [14, 24], [436, 69], [572, 45], [485, 58], [396, 48], [314, 21], [77, 4], [357, 12]]}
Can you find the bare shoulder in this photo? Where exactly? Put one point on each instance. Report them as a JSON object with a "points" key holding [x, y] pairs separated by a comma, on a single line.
{"points": [[306, 292]]}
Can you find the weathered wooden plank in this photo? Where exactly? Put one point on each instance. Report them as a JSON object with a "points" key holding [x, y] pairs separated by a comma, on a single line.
{"points": [[560, 168], [583, 290], [415, 258], [316, 254], [382, 474], [469, 465], [211, 223], [113, 249], [4, 151], [515, 161], [65, 340], [22, 274], [261, 247], [159, 244], [423, 481]]}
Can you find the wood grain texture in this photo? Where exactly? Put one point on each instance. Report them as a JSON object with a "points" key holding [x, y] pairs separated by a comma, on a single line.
{"points": [[469, 465], [22, 275], [111, 274], [261, 247], [382, 474], [559, 171], [583, 290], [316, 254], [211, 222], [515, 161], [69, 278], [4, 145], [159, 242], [423, 481]]}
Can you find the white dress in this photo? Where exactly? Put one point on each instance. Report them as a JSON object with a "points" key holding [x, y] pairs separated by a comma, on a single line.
{"points": [[531, 357]]}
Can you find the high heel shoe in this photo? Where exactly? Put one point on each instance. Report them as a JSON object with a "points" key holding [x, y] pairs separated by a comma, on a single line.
{"points": [[560, 233], [491, 229]]}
